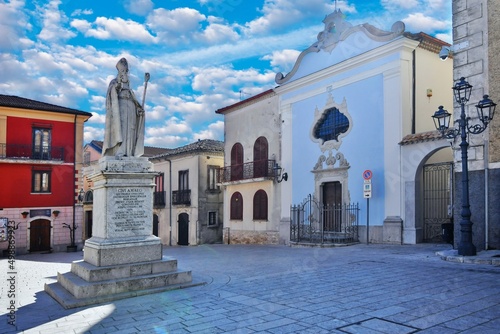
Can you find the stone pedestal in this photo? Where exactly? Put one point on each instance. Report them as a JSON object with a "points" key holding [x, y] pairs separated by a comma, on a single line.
{"points": [[393, 230], [123, 258]]}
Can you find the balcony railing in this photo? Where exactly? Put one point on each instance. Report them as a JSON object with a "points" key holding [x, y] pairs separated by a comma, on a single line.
{"points": [[19, 151], [181, 197], [247, 171], [159, 199]]}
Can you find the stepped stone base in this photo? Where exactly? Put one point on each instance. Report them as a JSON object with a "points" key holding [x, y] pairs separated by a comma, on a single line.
{"points": [[108, 252], [88, 284]]}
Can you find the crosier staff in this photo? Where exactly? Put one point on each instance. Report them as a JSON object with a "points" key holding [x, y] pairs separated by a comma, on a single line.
{"points": [[146, 79]]}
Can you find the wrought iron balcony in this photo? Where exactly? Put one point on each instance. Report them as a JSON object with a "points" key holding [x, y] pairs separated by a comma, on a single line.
{"points": [[19, 151], [181, 197], [247, 171], [159, 199]]}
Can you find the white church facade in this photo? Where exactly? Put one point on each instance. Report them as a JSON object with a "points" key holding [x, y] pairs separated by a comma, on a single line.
{"points": [[355, 110]]}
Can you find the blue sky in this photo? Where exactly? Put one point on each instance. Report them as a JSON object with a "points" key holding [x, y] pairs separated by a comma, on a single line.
{"points": [[202, 54]]}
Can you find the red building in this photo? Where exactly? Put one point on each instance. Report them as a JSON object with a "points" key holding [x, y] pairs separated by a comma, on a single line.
{"points": [[40, 172]]}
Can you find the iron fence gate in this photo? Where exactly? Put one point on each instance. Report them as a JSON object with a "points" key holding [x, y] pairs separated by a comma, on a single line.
{"points": [[313, 222], [438, 180]]}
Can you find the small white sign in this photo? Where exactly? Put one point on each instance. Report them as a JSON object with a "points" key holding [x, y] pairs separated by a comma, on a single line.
{"points": [[367, 189]]}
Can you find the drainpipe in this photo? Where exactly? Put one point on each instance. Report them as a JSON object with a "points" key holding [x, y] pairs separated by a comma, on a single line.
{"points": [[486, 195], [414, 89], [74, 181], [170, 200]]}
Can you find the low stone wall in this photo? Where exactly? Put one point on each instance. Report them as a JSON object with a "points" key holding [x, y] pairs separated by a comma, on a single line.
{"points": [[250, 237]]}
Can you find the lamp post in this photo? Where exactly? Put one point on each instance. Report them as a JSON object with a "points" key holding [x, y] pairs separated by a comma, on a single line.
{"points": [[277, 173], [485, 111]]}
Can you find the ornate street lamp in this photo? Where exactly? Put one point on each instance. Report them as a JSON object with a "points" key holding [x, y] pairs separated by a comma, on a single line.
{"points": [[485, 110]]}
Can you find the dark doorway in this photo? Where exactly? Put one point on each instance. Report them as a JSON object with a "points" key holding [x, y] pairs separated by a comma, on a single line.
{"points": [[437, 199], [40, 236], [88, 224], [332, 202], [155, 225], [183, 230]]}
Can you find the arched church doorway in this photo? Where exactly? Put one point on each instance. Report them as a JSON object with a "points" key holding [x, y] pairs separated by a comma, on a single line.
{"points": [[438, 199]]}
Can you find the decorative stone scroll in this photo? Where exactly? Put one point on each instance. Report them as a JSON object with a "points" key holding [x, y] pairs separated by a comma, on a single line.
{"points": [[336, 30], [330, 161]]}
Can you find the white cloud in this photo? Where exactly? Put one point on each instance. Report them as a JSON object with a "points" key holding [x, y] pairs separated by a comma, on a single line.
{"points": [[244, 48], [213, 131], [114, 29], [53, 23], [278, 14], [445, 37], [172, 133], [92, 133], [215, 33], [282, 61], [420, 22], [13, 25], [166, 141], [97, 118], [437, 4], [139, 7], [185, 25], [179, 20], [172, 126], [79, 12], [224, 80], [393, 5]]}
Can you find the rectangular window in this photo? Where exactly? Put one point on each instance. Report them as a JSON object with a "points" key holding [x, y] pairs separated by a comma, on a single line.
{"points": [[159, 193], [40, 181], [41, 143], [183, 195], [183, 180], [212, 218], [212, 178]]}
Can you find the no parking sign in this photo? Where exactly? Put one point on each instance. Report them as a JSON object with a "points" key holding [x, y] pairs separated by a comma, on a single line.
{"points": [[367, 185]]}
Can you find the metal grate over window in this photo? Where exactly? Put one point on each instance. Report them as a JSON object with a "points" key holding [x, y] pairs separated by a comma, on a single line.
{"points": [[331, 125]]}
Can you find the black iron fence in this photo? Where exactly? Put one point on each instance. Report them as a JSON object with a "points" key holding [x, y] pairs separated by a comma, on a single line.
{"points": [[19, 151], [246, 171], [313, 222]]}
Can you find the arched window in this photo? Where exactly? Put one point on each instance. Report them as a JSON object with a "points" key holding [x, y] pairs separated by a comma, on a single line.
{"points": [[236, 206], [237, 162], [260, 156], [88, 197], [260, 205]]}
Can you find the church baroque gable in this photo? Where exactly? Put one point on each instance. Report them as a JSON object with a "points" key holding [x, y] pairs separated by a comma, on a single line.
{"points": [[337, 30]]}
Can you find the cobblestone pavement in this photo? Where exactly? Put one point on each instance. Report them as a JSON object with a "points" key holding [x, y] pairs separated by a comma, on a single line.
{"points": [[276, 289]]}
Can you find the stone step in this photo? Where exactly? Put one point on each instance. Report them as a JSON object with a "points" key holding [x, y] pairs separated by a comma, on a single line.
{"points": [[68, 301], [80, 288], [91, 273]]}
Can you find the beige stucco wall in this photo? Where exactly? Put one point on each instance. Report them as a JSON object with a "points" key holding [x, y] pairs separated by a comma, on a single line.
{"points": [[244, 126], [168, 220], [436, 75], [168, 216]]}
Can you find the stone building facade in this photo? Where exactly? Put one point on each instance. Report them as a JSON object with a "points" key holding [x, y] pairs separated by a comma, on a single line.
{"points": [[476, 27]]}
